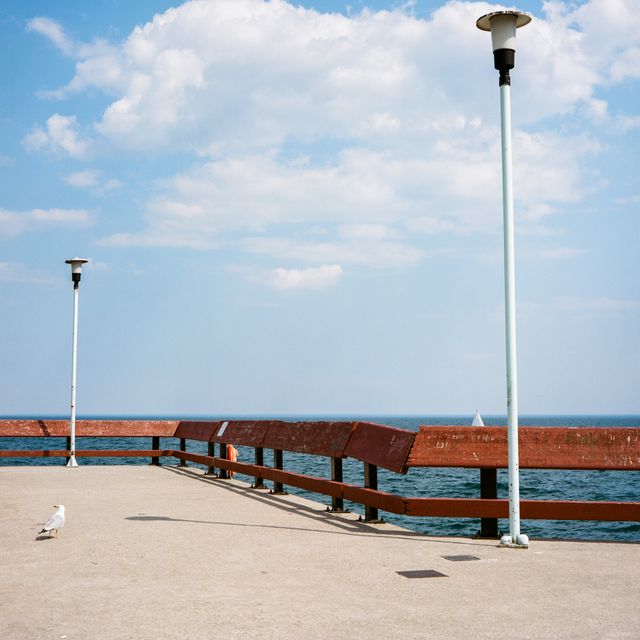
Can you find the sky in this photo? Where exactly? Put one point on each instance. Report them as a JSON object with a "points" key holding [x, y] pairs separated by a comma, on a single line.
{"points": [[295, 207]]}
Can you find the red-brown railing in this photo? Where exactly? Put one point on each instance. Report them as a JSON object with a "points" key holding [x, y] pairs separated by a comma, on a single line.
{"points": [[398, 450]]}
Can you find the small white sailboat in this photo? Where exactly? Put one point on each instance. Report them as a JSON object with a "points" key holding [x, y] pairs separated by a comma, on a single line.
{"points": [[477, 420]]}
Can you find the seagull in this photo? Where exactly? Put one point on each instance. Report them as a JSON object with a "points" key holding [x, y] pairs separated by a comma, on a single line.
{"points": [[55, 522]]}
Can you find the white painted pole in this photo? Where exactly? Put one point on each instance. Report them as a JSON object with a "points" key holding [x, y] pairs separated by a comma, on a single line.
{"points": [[76, 274], [503, 25], [510, 314], [74, 365]]}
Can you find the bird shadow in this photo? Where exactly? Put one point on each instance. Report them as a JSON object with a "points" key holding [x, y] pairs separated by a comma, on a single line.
{"points": [[41, 538]]}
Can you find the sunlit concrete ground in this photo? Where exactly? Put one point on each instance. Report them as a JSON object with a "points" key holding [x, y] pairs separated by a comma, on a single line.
{"points": [[153, 552]]}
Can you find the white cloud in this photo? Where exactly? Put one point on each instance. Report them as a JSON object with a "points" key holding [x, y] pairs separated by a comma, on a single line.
{"points": [[92, 179], [54, 32], [311, 278], [10, 272], [552, 254], [96, 265], [83, 179], [363, 253], [364, 194], [364, 231], [602, 304], [626, 123], [371, 126], [61, 135], [207, 75], [18, 272], [14, 223], [634, 199], [215, 75], [611, 37]]}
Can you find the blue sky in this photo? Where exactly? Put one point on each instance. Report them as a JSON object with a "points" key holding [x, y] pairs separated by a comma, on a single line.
{"points": [[295, 208]]}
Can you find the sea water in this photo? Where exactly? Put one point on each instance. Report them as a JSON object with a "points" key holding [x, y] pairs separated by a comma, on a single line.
{"points": [[418, 482]]}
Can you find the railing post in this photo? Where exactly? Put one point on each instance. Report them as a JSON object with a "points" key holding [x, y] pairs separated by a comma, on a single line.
{"points": [[68, 447], [337, 504], [210, 452], [155, 444], [371, 482], [183, 447], [488, 490], [224, 474], [259, 482], [278, 487]]}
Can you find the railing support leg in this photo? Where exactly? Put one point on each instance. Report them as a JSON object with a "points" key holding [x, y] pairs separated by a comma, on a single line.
{"points": [[183, 447], [489, 490], [155, 444], [210, 452], [68, 447], [259, 482], [371, 482], [224, 474], [278, 488], [337, 504]]}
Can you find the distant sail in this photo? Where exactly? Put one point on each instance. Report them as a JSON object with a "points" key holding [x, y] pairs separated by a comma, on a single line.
{"points": [[477, 420]]}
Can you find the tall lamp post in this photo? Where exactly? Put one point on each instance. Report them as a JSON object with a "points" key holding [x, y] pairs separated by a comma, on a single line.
{"points": [[76, 273], [503, 25]]}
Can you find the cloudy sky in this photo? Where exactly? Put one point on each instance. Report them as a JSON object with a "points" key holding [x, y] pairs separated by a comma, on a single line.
{"points": [[294, 207]]}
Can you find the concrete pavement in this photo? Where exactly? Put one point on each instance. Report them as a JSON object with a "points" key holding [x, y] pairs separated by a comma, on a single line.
{"points": [[160, 552]]}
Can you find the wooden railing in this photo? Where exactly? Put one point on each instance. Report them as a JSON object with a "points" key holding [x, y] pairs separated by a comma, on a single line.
{"points": [[398, 450]]}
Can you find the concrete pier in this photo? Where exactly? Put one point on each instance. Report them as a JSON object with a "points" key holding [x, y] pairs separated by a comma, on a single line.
{"points": [[162, 552]]}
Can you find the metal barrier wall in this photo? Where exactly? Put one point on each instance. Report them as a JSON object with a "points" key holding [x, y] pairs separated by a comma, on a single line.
{"points": [[397, 450]]}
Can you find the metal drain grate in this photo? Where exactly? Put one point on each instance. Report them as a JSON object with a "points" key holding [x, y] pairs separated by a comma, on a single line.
{"points": [[460, 558], [422, 573]]}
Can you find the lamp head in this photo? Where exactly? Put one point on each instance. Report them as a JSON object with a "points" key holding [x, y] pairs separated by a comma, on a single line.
{"points": [[503, 25], [76, 269]]}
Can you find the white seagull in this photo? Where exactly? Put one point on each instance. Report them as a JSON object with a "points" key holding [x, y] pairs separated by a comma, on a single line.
{"points": [[55, 522]]}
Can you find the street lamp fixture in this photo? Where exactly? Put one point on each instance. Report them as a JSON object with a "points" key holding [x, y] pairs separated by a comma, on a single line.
{"points": [[76, 274], [503, 25]]}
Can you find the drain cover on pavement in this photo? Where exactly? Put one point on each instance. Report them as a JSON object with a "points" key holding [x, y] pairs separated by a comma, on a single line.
{"points": [[422, 573], [460, 558]]}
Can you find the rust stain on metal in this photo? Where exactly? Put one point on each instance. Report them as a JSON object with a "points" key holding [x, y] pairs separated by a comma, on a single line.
{"points": [[247, 433], [85, 453], [380, 445], [88, 428], [33, 453], [317, 438], [196, 430], [486, 447], [539, 447], [576, 510], [456, 507], [529, 509], [373, 498]]}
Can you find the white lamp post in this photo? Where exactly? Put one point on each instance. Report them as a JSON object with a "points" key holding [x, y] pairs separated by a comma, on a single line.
{"points": [[503, 25], [76, 273]]}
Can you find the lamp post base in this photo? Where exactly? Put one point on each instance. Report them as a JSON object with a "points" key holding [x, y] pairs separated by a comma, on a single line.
{"points": [[522, 542], [72, 462]]}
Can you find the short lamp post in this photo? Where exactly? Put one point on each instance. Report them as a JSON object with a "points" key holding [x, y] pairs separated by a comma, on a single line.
{"points": [[76, 273], [503, 25]]}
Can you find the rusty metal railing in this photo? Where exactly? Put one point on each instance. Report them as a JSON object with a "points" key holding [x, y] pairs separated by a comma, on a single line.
{"points": [[374, 446]]}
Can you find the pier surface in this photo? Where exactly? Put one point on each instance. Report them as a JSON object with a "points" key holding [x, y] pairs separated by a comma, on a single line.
{"points": [[161, 552]]}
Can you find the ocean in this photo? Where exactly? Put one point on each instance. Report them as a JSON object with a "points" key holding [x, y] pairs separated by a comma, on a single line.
{"points": [[438, 482]]}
